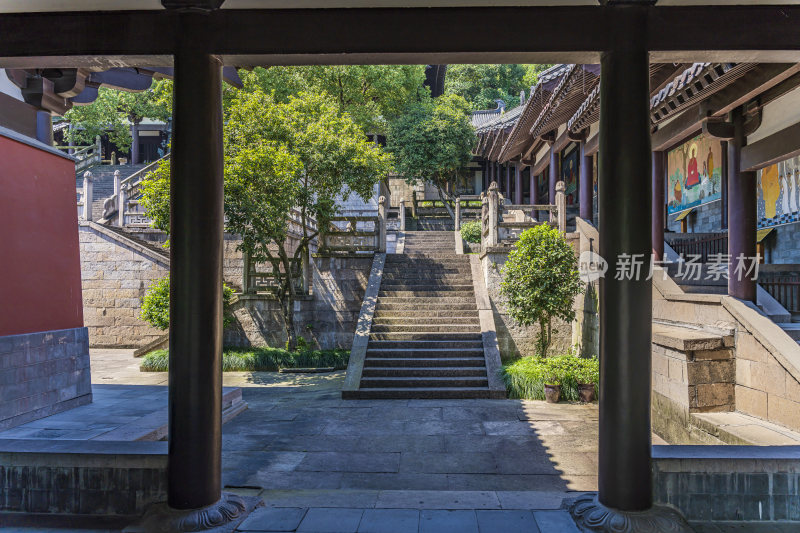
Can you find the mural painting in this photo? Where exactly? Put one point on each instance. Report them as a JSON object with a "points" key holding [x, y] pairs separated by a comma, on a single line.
{"points": [[694, 174], [778, 193], [569, 175]]}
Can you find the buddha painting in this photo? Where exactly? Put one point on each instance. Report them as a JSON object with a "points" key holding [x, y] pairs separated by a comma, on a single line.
{"points": [[771, 190]]}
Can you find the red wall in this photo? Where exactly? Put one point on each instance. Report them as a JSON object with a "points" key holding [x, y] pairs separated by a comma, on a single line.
{"points": [[40, 269]]}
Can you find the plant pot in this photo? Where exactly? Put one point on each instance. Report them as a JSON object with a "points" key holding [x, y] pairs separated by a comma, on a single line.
{"points": [[552, 393], [586, 392]]}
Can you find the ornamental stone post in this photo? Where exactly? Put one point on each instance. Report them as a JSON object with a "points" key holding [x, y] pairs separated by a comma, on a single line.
{"points": [[561, 206], [87, 195], [493, 197], [458, 214], [123, 204], [117, 181], [382, 224], [402, 214]]}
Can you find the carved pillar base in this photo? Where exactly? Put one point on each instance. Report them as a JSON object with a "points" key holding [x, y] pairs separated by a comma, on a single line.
{"points": [[222, 516], [592, 516]]}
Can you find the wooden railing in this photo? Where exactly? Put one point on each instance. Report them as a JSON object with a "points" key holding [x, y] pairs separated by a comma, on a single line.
{"points": [[701, 244], [784, 287], [502, 223]]}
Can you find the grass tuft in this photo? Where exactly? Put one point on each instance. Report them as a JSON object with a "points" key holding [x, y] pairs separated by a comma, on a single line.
{"points": [[525, 378], [258, 359]]}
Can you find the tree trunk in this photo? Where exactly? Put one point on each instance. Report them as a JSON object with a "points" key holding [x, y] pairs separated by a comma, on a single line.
{"points": [[446, 203], [288, 320]]}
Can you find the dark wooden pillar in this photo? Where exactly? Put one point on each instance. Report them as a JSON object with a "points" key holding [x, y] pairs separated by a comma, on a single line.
{"points": [[534, 188], [659, 174], [586, 199], [507, 189], [518, 183], [724, 186], [741, 215], [195, 333], [484, 177], [551, 199], [134, 144]]}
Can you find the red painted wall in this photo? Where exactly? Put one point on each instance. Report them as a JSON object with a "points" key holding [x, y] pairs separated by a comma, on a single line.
{"points": [[40, 269]]}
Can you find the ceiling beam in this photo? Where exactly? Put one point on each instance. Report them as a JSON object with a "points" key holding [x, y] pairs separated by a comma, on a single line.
{"points": [[412, 35]]}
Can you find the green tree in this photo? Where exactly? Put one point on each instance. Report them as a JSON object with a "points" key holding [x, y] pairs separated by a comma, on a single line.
{"points": [[155, 304], [371, 94], [301, 154], [540, 281], [481, 85], [532, 73], [114, 111], [432, 142]]}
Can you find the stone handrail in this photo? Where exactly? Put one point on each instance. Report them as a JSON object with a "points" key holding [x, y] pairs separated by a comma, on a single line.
{"points": [[86, 156], [496, 229], [85, 197], [353, 234], [132, 186]]}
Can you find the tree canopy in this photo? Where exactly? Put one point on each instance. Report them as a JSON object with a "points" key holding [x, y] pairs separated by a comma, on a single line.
{"points": [[481, 85], [114, 111], [302, 153], [432, 141]]}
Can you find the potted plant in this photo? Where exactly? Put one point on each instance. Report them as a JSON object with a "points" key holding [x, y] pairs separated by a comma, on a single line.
{"points": [[552, 389], [587, 377]]}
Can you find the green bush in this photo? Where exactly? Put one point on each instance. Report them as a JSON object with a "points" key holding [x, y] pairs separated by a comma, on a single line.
{"points": [[471, 231], [540, 281], [258, 359], [155, 304], [525, 378]]}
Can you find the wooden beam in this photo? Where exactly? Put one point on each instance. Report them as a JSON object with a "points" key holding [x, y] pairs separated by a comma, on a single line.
{"points": [[541, 164], [757, 81], [683, 125], [772, 149], [592, 145]]}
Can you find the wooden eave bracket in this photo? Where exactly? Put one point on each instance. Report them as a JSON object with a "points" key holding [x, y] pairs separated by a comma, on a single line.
{"points": [[549, 137], [578, 136], [720, 128]]}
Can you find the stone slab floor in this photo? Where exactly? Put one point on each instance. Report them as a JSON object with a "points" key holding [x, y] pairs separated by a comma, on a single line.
{"points": [[323, 464]]}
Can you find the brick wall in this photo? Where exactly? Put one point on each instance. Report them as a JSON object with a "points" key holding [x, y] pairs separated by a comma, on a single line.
{"points": [[42, 374], [339, 285], [706, 218]]}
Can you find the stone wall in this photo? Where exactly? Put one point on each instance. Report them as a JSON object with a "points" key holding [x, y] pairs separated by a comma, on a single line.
{"points": [[259, 321], [706, 218], [115, 275], [783, 245], [42, 374], [515, 340]]}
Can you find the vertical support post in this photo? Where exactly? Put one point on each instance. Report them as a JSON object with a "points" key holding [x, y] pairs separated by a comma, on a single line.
{"points": [[507, 190], [88, 194], [458, 213], [586, 199], [741, 214], [659, 175], [484, 166], [518, 184], [553, 175], [44, 127], [402, 214], [195, 332], [561, 206], [534, 193], [122, 198], [135, 143], [493, 200], [382, 224], [117, 181], [724, 185]]}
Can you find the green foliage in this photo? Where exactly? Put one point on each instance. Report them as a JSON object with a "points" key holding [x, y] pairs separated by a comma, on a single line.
{"points": [[526, 377], [371, 94], [258, 359], [155, 196], [532, 74], [481, 85], [540, 281], [471, 231], [114, 111], [155, 304], [432, 141]]}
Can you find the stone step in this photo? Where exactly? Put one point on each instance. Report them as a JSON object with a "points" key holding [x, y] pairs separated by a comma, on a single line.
{"points": [[453, 393], [423, 314], [424, 372], [424, 308], [426, 328], [422, 300], [416, 362], [423, 382], [425, 347], [425, 336], [425, 273], [426, 285], [413, 319], [440, 293]]}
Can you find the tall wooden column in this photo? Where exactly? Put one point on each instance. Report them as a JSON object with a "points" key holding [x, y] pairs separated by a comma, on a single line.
{"points": [[742, 196], [517, 183], [553, 169], [586, 200], [507, 190], [659, 175], [625, 498], [534, 188]]}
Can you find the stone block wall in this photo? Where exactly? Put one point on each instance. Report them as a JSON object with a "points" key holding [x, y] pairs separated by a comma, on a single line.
{"points": [[515, 340], [42, 374], [706, 218], [339, 285], [260, 323], [115, 276]]}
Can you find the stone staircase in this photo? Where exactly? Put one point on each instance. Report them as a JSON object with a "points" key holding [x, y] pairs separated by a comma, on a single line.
{"points": [[425, 340], [103, 183]]}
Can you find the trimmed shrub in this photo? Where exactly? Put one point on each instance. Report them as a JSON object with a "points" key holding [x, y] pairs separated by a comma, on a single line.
{"points": [[155, 304], [471, 231]]}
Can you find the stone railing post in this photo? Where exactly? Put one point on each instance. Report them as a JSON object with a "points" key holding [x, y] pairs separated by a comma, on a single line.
{"points": [[382, 224], [117, 181], [123, 205], [494, 198], [402, 214], [87, 195], [561, 207], [458, 213]]}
